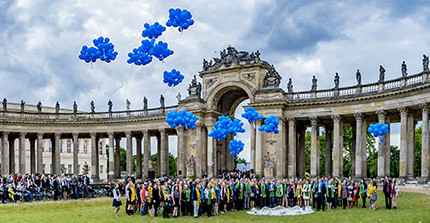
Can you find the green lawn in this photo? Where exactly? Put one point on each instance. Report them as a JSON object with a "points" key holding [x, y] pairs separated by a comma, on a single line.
{"points": [[412, 207]]}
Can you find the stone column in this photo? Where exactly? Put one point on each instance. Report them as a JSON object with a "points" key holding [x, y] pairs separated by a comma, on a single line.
{"points": [[387, 148], [111, 163], [403, 142], [93, 155], [341, 148], [314, 147], [158, 155], [258, 150], [22, 152], [5, 154], [211, 148], [146, 152], [301, 160], [410, 167], [117, 157], [353, 146], [359, 146], [292, 156], [181, 171], [252, 145], [129, 157], [381, 147], [163, 152], [32, 155], [138, 156], [199, 150], [328, 150], [280, 148], [75, 153], [425, 156], [336, 146], [39, 153], [12, 154], [56, 154], [364, 147]]}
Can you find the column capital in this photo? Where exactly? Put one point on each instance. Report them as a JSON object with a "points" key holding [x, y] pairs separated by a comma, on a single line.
{"points": [[291, 121], [145, 131], [93, 134], [314, 120], [111, 134], [179, 128], [6, 133], [75, 134], [57, 134], [127, 134], [424, 107], [359, 116], [336, 119], [200, 125], [22, 134], [40, 135], [259, 122], [403, 111], [381, 115]]}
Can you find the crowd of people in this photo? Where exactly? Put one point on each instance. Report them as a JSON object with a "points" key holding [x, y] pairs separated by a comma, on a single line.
{"points": [[18, 188], [239, 191]]}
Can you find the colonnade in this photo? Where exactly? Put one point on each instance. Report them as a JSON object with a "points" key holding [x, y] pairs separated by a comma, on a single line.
{"points": [[290, 152]]}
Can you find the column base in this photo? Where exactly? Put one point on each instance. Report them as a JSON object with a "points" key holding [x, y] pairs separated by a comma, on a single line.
{"points": [[423, 180]]}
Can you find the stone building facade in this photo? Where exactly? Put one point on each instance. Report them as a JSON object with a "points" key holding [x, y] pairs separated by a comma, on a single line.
{"points": [[226, 82]]}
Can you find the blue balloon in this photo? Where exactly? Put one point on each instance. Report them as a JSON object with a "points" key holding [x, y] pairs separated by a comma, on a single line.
{"points": [[180, 18], [104, 51], [184, 118], [153, 31], [271, 125], [172, 78]]}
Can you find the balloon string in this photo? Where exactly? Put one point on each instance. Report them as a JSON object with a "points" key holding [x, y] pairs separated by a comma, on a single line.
{"points": [[91, 65]]}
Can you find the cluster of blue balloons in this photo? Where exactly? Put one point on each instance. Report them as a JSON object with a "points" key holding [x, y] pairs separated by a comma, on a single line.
{"points": [[184, 118], [180, 18], [153, 31], [225, 125], [251, 115], [160, 50], [172, 78], [103, 50], [140, 55], [236, 146], [271, 125], [378, 129]]}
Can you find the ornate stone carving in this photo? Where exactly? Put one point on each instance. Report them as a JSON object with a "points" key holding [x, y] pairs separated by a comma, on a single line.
{"points": [[178, 96], [111, 134], [194, 89], [314, 121], [425, 63], [230, 56], [358, 77], [22, 134], [336, 118], [359, 116], [75, 107], [40, 135], [22, 105], [57, 107], [269, 161], [381, 115], [94, 135], [210, 82], [93, 107], [271, 141], [249, 77], [189, 164], [404, 69], [403, 111], [290, 86], [272, 78], [381, 74], [424, 107], [57, 134], [39, 107], [4, 104], [127, 104], [162, 101], [336, 81], [314, 84]]}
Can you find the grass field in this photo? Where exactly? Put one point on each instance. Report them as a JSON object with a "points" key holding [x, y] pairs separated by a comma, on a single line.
{"points": [[412, 207]]}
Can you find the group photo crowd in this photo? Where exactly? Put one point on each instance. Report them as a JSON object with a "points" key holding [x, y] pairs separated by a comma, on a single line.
{"points": [[240, 191], [17, 188]]}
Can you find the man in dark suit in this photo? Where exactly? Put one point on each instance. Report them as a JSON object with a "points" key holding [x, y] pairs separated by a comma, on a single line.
{"points": [[85, 183], [320, 191], [56, 188], [387, 192]]}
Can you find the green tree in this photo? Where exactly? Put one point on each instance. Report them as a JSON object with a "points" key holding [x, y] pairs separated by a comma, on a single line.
{"points": [[418, 138], [394, 161], [86, 168], [172, 164], [237, 160]]}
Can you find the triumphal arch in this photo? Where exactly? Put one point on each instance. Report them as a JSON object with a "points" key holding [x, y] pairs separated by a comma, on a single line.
{"points": [[218, 89]]}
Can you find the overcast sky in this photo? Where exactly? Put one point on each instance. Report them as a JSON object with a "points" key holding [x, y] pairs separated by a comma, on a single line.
{"points": [[40, 43]]}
